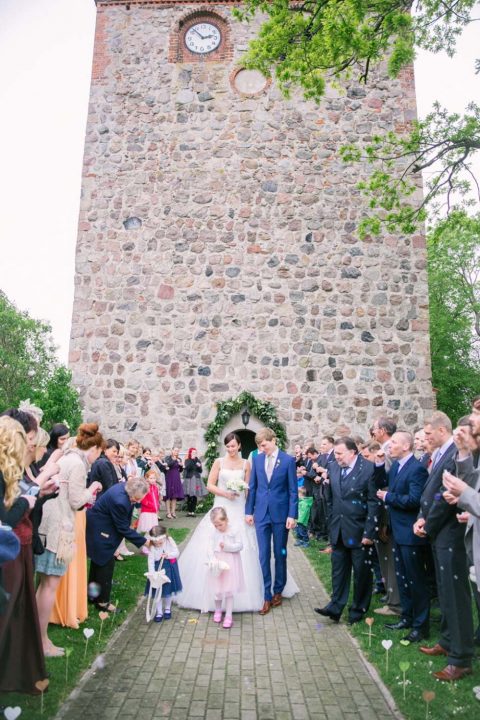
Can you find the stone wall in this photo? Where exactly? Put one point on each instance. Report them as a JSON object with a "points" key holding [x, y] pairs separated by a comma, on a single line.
{"points": [[217, 248]]}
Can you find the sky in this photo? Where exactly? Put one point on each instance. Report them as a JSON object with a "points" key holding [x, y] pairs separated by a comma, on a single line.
{"points": [[46, 51]]}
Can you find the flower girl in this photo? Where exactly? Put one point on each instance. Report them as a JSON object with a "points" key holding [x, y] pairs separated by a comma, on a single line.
{"points": [[225, 564], [163, 547]]}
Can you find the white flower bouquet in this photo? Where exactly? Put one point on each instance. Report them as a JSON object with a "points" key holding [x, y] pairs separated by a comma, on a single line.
{"points": [[236, 485]]}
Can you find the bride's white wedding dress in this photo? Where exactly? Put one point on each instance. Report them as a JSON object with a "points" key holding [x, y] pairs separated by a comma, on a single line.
{"points": [[197, 582]]}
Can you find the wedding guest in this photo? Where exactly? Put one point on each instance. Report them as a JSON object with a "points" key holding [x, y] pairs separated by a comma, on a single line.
{"points": [[108, 522], [59, 434], [298, 455], [465, 490], [41, 444], [120, 461], [132, 469], [193, 486], [370, 450], [383, 429], [405, 482], [320, 508], [103, 469], [438, 522], [150, 504], [353, 508], [163, 547], [304, 508], [420, 448], [225, 546], [173, 482], [22, 661], [70, 608], [58, 522]]}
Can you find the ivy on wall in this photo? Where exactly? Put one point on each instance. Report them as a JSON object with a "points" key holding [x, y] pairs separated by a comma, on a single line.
{"points": [[226, 409]]}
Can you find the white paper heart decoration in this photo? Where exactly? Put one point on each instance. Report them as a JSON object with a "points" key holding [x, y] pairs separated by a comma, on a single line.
{"points": [[88, 632], [387, 644], [12, 713]]}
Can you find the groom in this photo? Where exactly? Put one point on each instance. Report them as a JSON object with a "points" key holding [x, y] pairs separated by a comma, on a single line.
{"points": [[273, 502]]}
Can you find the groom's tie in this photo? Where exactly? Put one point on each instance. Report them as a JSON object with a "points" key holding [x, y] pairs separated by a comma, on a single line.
{"points": [[269, 467]]}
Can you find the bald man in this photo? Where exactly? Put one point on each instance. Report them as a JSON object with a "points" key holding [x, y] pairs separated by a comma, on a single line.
{"points": [[406, 480]]}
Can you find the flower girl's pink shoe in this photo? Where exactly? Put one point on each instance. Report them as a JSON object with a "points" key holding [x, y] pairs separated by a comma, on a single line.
{"points": [[217, 616], [228, 622]]}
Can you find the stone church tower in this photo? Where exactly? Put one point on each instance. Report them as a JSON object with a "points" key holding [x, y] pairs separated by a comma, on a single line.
{"points": [[217, 248]]}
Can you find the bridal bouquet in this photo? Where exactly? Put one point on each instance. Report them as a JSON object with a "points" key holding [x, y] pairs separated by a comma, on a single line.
{"points": [[236, 485]]}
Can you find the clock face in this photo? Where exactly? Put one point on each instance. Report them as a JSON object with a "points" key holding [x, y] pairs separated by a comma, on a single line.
{"points": [[202, 38]]}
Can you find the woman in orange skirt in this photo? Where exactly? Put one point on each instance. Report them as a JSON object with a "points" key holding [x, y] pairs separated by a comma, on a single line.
{"points": [[71, 606]]}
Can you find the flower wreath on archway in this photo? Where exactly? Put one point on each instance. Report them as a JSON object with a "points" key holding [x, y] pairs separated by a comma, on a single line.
{"points": [[226, 409]]}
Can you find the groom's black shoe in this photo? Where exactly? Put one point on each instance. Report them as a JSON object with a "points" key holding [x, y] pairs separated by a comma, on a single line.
{"points": [[266, 607], [326, 612]]}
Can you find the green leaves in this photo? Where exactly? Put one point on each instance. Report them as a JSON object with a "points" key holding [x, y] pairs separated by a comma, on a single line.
{"points": [[443, 142], [29, 368], [264, 411], [454, 290]]}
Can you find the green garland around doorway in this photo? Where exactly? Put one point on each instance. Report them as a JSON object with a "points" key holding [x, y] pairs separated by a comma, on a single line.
{"points": [[226, 409]]}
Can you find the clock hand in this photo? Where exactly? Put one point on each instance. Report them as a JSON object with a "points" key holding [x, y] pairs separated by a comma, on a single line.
{"points": [[199, 35]]}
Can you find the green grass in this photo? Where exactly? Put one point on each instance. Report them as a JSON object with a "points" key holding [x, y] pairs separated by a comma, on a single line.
{"points": [[129, 584], [452, 700]]}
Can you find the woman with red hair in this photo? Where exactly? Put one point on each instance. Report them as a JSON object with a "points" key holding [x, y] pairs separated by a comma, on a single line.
{"points": [[193, 486]]}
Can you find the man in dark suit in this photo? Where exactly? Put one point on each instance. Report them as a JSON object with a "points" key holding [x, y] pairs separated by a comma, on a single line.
{"points": [[108, 522], [319, 513], [353, 509], [420, 448], [406, 480], [437, 520]]}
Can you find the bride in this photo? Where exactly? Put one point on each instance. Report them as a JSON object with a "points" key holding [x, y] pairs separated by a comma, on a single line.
{"points": [[192, 562]]}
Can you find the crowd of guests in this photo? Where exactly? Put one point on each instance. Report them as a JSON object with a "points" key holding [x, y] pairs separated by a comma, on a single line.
{"points": [[398, 511], [401, 510], [62, 500]]}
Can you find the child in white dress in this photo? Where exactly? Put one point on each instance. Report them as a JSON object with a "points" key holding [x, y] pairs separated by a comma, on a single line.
{"points": [[224, 552]]}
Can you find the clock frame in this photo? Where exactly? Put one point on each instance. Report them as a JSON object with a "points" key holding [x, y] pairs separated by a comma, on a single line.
{"points": [[179, 51]]}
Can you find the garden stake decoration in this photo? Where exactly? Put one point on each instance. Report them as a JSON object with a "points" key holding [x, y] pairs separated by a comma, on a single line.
{"points": [[12, 713], [387, 644], [42, 686], [103, 615], [68, 652], [428, 696], [369, 622], [404, 665], [88, 632]]}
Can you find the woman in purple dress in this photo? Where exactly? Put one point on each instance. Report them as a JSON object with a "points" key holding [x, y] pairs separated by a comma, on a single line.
{"points": [[173, 482]]}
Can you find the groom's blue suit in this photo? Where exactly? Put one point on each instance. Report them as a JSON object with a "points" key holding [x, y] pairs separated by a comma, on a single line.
{"points": [[271, 503]]}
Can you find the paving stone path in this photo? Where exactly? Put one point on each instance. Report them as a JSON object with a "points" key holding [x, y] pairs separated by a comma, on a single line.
{"points": [[284, 666]]}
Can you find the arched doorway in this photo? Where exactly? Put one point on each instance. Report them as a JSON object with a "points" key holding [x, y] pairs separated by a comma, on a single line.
{"points": [[247, 438]]}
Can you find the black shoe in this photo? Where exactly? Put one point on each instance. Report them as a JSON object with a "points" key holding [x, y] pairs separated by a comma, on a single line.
{"points": [[416, 636], [353, 620], [400, 625], [379, 590], [328, 613]]}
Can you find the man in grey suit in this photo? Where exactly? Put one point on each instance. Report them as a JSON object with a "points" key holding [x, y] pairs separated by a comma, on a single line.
{"points": [[437, 520]]}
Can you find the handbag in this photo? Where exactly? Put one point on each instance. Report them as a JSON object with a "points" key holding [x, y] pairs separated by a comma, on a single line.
{"points": [[66, 537]]}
